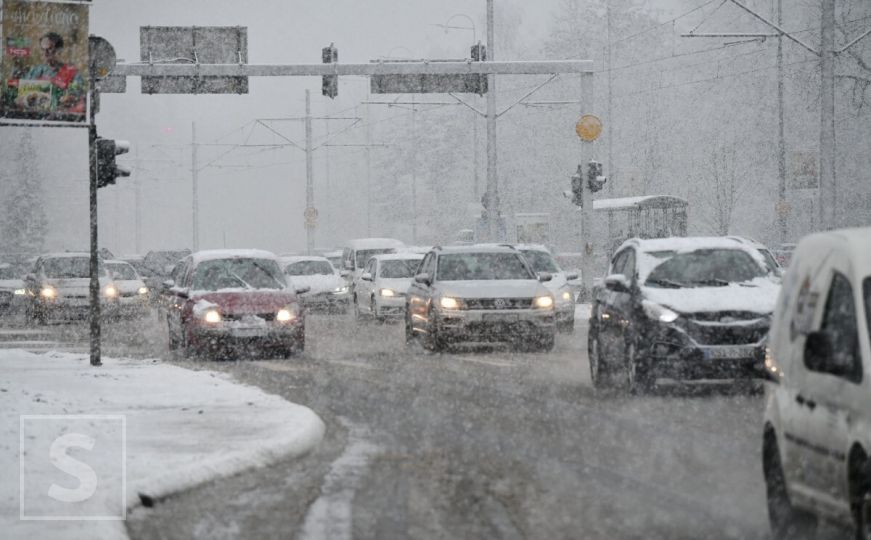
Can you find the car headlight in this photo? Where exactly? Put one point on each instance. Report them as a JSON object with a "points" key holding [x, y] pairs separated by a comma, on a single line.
{"points": [[48, 292], [566, 295], [771, 365], [110, 291], [212, 316], [446, 302], [288, 314], [658, 312], [340, 290], [543, 302], [390, 292], [20, 292], [143, 290]]}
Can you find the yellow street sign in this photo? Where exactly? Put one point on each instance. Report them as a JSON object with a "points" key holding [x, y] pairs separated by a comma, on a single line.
{"points": [[588, 127]]}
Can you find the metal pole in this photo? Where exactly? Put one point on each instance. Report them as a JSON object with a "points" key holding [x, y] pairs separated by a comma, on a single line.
{"points": [[94, 288], [137, 190], [195, 187], [475, 159], [368, 170], [609, 170], [781, 142], [413, 171], [586, 154], [493, 212], [328, 191], [828, 186], [309, 174]]}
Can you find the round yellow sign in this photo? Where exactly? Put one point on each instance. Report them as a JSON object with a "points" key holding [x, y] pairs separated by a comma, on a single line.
{"points": [[588, 127]]}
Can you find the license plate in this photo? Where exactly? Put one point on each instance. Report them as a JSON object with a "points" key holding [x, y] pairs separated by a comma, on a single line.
{"points": [[499, 317], [720, 353], [247, 332]]}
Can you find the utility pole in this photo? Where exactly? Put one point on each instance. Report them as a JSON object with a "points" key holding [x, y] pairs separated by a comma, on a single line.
{"points": [[137, 208], [328, 198], [828, 186], [491, 195], [94, 266], [309, 173], [368, 171], [195, 195], [586, 155], [781, 141], [609, 118]]}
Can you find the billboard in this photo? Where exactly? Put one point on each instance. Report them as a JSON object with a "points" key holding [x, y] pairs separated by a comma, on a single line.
{"points": [[44, 62]]}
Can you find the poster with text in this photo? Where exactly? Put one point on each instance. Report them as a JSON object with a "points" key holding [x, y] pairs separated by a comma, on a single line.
{"points": [[44, 62]]}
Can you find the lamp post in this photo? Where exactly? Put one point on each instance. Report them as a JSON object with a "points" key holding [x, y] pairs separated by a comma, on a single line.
{"points": [[447, 26]]}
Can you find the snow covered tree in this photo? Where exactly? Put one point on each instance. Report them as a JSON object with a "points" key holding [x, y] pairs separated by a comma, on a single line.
{"points": [[23, 221]]}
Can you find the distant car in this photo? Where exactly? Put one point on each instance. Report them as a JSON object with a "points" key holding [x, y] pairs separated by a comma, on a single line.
{"points": [[479, 294], [543, 262], [58, 288], [325, 290], [12, 292], [335, 258], [234, 300], [681, 308], [156, 267], [816, 442], [358, 251], [768, 258], [132, 292], [380, 290], [783, 254]]}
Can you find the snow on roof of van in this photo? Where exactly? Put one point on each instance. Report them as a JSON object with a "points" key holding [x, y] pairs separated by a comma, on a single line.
{"points": [[375, 243], [646, 201], [213, 254], [856, 241], [287, 259], [401, 256]]}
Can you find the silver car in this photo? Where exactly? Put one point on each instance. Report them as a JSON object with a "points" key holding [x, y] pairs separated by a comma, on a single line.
{"points": [[479, 294]]}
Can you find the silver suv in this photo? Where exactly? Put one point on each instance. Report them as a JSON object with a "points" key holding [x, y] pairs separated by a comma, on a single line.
{"points": [[479, 294]]}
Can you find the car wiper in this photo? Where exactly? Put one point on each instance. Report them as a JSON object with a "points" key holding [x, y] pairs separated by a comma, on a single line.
{"points": [[714, 281], [268, 273], [666, 283], [240, 280]]}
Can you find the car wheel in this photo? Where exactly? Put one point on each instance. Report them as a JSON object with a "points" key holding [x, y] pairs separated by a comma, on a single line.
{"points": [[432, 341], [787, 522], [598, 371]]}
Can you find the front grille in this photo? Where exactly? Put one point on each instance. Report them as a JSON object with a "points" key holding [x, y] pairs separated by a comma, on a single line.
{"points": [[726, 334], [498, 303], [725, 316], [239, 317]]}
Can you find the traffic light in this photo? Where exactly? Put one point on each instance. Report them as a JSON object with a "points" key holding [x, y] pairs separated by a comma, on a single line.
{"points": [[478, 81], [578, 187], [107, 170], [330, 83], [595, 180]]}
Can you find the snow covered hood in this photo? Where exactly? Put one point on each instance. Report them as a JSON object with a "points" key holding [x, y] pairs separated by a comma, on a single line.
{"points": [[319, 283], [399, 285], [497, 288], [759, 296]]}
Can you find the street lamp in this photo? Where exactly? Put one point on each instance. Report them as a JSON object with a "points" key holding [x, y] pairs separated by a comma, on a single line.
{"points": [[447, 26]]}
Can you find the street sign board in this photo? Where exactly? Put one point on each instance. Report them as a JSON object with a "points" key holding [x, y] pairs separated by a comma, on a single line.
{"points": [[803, 170], [194, 45], [588, 128], [44, 61], [425, 83]]}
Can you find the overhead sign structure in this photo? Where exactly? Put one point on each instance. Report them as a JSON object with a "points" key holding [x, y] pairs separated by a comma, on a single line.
{"points": [[44, 62], [588, 128], [194, 45], [425, 83]]}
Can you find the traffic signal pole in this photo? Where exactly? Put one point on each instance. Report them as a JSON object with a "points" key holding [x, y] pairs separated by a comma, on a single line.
{"points": [[94, 289], [309, 173], [586, 155], [492, 211]]}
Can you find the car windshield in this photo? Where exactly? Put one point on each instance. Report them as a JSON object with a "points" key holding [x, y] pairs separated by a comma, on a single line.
{"points": [[68, 268], [404, 268], [363, 255], [122, 271], [6, 272], [541, 261], [309, 268], [481, 266], [704, 268], [238, 273], [770, 262]]}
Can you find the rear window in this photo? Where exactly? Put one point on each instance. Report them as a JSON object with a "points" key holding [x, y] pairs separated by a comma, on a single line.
{"points": [[398, 269], [69, 268], [541, 261]]}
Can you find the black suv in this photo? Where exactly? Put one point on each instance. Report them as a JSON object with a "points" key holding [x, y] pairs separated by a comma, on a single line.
{"points": [[681, 308]]}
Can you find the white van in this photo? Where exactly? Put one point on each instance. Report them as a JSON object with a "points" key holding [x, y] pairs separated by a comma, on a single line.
{"points": [[358, 251], [817, 431]]}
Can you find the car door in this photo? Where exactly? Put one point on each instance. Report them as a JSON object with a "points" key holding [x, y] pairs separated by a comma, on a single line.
{"points": [[176, 296], [828, 402], [365, 287], [610, 311], [419, 294]]}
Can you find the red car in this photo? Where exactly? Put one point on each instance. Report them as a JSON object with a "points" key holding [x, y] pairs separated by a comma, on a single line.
{"points": [[234, 301]]}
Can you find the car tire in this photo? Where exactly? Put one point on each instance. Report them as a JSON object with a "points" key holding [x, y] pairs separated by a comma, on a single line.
{"points": [[638, 381], [787, 522], [409, 330], [599, 375], [432, 341]]}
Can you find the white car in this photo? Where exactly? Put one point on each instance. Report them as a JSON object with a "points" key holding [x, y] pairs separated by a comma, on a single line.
{"points": [[12, 293], [817, 427], [542, 262], [358, 251], [380, 289], [58, 288], [320, 286], [132, 292]]}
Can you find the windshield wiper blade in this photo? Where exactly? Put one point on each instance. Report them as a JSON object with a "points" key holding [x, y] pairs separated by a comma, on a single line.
{"points": [[240, 280], [712, 281], [666, 283]]}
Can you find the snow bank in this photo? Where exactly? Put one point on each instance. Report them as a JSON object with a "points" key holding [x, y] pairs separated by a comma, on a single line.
{"points": [[183, 428]]}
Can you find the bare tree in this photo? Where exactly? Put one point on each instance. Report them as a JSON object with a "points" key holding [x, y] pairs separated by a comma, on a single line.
{"points": [[721, 188]]}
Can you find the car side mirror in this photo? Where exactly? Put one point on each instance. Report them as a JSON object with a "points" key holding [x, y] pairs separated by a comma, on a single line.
{"points": [[545, 277], [818, 351], [366, 276], [571, 276], [617, 283], [168, 284], [423, 278], [345, 273], [303, 290]]}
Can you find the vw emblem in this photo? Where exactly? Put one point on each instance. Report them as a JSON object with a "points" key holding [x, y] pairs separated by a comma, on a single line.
{"points": [[500, 303]]}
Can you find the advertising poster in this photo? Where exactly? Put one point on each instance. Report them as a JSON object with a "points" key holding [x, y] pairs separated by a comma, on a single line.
{"points": [[44, 62]]}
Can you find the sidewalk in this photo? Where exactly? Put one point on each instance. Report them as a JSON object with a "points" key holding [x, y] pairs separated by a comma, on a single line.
{"points": [[177, 427]]}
